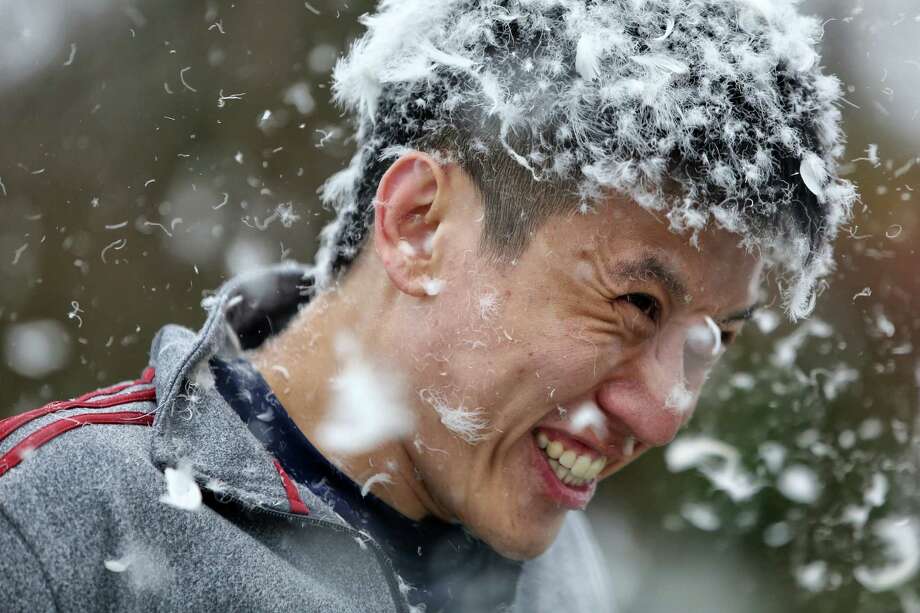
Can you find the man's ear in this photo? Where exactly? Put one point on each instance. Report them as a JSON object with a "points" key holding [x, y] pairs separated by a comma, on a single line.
{"points": [[406, 217]]}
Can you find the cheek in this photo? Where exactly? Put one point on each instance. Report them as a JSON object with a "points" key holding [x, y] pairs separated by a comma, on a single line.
{"points": [[553, 368], [512, 352], [572, 368]]}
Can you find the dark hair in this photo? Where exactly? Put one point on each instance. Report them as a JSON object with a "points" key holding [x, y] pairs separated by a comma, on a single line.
{"points": [[741, 137]]}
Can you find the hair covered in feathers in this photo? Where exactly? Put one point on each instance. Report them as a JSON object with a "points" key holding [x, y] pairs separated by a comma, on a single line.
{"points": [[705, 111]]}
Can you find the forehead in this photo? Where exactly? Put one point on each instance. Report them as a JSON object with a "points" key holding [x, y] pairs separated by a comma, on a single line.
{"points": [[626, 241]]}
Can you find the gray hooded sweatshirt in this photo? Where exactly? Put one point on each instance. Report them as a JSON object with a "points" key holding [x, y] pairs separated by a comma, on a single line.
{"points": [[96, 512]]}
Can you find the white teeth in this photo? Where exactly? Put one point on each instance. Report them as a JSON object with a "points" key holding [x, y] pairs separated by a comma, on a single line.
{"points": [[561, 472], [581, 466], [570, 467], [596, 467], [568, 458], [629, 446]]}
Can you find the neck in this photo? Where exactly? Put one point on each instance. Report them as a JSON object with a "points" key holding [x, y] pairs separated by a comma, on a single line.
{"points": [[300, 363]]}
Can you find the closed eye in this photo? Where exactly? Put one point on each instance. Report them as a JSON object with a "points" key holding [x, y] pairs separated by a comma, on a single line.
{"points": [[648, 305]]}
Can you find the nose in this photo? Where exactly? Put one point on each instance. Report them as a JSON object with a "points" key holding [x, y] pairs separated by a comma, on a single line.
{"points": [[655, 393]]}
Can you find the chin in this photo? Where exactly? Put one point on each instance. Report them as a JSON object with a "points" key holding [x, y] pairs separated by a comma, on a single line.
{"points": [[522, 541]]}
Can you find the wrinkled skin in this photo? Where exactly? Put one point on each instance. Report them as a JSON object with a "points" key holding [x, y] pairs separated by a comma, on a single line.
{"points": [[586, 313]]}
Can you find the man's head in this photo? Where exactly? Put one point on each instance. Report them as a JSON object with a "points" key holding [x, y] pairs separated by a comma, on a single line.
{"points": [[708, 112], [571, 203], [595, 340]]}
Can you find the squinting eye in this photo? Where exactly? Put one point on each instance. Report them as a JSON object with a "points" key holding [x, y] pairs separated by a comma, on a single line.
{"points": [[648, 305]]}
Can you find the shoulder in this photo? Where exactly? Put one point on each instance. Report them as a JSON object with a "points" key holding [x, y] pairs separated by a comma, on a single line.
{"points": [[576, 559], [62, 445], [66, 469]]}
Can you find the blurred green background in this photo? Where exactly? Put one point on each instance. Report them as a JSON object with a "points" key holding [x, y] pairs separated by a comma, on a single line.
{"points": [[150, 150]]}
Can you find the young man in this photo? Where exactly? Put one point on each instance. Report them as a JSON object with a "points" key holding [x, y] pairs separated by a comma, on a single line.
{"points": [[556, 222]]}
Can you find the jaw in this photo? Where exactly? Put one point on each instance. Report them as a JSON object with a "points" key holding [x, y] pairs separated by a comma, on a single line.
{"points": [[523, 535], [502, 502], [511, 497]]}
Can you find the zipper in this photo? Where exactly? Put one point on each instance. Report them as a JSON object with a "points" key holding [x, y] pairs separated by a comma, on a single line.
{"points": [[389, 570]]}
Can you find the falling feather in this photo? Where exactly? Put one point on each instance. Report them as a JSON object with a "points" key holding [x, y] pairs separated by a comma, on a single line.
{"points": [[368, 407]]}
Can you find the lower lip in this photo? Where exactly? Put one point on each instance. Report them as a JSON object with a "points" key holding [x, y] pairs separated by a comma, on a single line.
{"points": [[568, 496]]}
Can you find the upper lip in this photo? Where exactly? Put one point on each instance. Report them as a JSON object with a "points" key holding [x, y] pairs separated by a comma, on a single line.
{"points": [[610, 448]]}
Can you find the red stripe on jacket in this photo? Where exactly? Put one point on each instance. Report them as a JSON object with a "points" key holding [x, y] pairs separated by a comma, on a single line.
{"points": [[11, 424], [293, 496], [29, 444]]}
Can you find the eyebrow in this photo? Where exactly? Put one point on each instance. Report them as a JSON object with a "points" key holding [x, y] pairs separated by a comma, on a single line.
{"points": [[652, 268]]}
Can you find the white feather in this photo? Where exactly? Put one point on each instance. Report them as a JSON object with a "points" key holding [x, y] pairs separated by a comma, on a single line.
{"points": [[901, 539], [181, 490], [661, 62], [588, 56], [814, 174], [379, 478], [367, 407]]}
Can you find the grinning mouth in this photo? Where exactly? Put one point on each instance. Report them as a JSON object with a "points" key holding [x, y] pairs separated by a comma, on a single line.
{"points": [[575, 465], [572, 467]]}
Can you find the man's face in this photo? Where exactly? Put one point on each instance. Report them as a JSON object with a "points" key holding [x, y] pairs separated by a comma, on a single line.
{"points": [[580, 355]]}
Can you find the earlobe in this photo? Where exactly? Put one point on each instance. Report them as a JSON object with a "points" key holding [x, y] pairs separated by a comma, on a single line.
{"points": [[406, 221]]}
